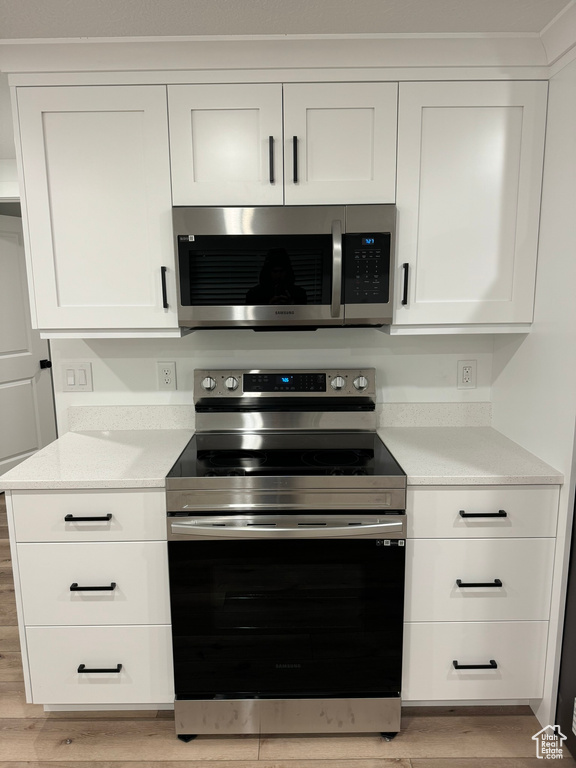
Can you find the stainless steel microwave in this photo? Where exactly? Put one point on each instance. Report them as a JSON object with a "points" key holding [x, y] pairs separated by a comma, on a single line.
{"points": [[272, 268]]}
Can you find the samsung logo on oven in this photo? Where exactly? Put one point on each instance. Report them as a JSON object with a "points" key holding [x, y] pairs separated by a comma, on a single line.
{"points": [[284, 312], [288, 666]]}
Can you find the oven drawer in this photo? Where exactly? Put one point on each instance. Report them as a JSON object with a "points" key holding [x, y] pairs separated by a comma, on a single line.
{"points": [[523, 567], [144, 653], [435, 512], [120, 515], [518, 648], [136, 571]]}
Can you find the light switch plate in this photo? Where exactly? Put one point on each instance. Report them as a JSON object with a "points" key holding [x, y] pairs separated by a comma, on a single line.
{"points": [[76, 377]]}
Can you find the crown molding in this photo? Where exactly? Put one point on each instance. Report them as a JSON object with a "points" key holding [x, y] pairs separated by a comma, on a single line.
{"points": [[272, 52], [559, 37]]}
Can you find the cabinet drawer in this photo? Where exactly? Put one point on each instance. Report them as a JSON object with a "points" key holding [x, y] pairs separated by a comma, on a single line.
{"points": [[123, 515], [139, 571], [145, 653], [517, 647], [523, 566], [435, 512]]}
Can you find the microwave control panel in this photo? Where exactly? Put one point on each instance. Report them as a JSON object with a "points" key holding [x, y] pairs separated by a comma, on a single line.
{"points": [[367, 268]]}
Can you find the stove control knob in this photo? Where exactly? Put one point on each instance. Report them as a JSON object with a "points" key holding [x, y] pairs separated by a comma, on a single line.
{"points": [[208, 384], [361, 382], [338, 383], [231, 383]]}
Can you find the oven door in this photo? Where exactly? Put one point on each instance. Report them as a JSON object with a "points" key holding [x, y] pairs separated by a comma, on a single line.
{"points": [[289, 609], [259, 267]]}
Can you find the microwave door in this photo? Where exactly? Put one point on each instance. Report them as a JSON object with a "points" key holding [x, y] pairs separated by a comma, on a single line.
{"points": [[261, 281]]}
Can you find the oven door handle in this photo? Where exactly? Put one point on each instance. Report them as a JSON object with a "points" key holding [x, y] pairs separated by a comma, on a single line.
{"points": [[216, 527], [336, 268]]}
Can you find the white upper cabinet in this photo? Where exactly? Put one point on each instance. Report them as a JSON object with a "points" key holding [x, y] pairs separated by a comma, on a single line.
{"points": [[268, 144], [97, 205], [469, 178], [226, 144], [340, 143]]}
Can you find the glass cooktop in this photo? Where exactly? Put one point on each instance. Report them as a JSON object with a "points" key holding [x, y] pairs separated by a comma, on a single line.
{"points": [[285, 454]]}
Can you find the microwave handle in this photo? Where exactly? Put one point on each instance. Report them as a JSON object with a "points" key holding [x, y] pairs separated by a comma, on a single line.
{"points": [[336, 268]]}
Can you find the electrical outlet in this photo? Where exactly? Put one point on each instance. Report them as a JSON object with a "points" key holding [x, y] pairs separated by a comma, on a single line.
{"points": [[466, 374], [166, 375]]}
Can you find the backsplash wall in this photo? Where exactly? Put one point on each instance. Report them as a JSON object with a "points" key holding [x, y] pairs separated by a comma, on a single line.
{"points": [[409, 369]]}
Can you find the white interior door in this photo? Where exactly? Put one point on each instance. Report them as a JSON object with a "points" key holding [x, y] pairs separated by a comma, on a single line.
{"points": [[27, 419]]}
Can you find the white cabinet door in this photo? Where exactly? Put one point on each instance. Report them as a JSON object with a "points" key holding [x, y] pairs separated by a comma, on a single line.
{"points": [[97, 206], [464, 512], [478, 579], [59, 582], [518, 649], [469, 178], [141, 657], [344, 135], [226, 144]]}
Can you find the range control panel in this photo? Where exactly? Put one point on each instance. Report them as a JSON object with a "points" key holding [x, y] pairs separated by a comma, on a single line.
{"points": [[281, 383]]}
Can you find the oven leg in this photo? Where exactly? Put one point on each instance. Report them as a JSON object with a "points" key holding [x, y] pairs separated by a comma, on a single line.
{"points": [[388, 736], [187, 736]]}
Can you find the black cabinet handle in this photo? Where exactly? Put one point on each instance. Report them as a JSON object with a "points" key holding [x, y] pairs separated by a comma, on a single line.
{"points": [[295, 157], [45, 364], [495, 583], [500, 513], [271, 158], [76, 588], [163, 271], [406, 268], [100, 519], [83, 668], [491, 665]]}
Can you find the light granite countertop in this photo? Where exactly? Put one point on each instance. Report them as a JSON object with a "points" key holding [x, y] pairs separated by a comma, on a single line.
{"points": [[142, 458], [465, 456], [103, 459]]}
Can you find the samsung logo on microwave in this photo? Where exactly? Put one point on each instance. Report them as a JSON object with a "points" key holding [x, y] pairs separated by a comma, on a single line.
{"points": [[284, 312], [288, 666]]}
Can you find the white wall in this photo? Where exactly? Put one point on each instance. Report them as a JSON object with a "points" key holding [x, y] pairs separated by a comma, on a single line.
{"points": [[409, 369], [534, 390], [534, 387]]}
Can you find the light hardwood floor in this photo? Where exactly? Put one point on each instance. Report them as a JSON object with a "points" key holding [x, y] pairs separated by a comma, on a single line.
{"points": [[447, 737]]}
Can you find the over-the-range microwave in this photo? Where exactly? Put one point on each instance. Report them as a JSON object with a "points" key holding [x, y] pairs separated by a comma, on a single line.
{"points": [[273, 268]]}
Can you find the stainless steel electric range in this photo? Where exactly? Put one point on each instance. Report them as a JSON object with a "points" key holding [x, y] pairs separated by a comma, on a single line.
{"points": [[286, 546]]}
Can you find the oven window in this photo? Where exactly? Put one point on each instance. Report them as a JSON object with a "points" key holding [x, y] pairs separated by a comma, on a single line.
{"points": [[287, 618], [254, 270]]}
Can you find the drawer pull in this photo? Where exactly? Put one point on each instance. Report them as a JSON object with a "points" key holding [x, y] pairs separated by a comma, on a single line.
{"points": [[495, 583], [491, 665], [82, 668], [76, 588], [100, 519], [500, 513]]}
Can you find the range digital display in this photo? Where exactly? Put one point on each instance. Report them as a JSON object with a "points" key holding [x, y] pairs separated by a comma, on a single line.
{"points": [[284, 382]]}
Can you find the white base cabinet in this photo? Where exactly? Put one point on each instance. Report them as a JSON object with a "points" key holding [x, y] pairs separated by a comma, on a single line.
{"points": [[499, 543], [122, 548]]}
